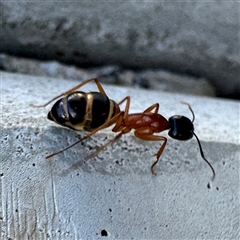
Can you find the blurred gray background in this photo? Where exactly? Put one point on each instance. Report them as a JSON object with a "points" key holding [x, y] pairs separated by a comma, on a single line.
{"points": [[166, 46]]}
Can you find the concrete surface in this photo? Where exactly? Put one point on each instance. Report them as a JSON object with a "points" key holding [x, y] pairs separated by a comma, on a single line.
{"points": [[194, 37], [148, 79], [114, 196]]}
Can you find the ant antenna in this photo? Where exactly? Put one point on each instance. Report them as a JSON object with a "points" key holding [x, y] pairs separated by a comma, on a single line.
{"points": [[190, 108], [202, 154], [199, 143]]}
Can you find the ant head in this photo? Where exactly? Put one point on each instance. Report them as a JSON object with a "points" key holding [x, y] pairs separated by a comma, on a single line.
{"points": [[181, 128]]}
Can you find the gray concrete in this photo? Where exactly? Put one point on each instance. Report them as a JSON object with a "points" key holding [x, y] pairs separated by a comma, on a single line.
{"points": [[66, 197], [194, 37]]}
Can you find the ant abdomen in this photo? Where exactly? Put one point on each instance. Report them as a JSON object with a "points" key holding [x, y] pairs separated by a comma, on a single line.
{"points": [[83, 111], [76, 104]]}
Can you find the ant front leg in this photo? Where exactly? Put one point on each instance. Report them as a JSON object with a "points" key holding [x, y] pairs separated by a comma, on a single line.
{"points": [[99, 86], [146, 134]]}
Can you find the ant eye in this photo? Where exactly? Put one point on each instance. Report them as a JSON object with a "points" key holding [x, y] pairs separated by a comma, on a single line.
{"points": [[181, 128]]}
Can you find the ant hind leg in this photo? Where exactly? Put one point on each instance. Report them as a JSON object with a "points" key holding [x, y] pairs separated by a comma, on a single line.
{"points": [[99, 86]]}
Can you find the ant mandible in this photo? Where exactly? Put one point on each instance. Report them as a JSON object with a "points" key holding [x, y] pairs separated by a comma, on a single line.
{"points": [[94, 111]]}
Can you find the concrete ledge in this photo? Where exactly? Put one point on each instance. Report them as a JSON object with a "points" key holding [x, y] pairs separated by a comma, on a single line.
{"points": [[114, 194]]}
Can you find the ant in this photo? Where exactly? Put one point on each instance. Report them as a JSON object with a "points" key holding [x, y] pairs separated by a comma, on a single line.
{"points": [[94, 111]]}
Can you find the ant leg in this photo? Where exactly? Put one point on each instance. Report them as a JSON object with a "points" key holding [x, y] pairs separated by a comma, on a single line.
{"points": [[100, 88], [117, 119], [76, 164], [119, 126], [127, 99], [159, 153], [124, 131], [142, 134], [104, 146], [156, 106], [120, 122], [106, 124]]}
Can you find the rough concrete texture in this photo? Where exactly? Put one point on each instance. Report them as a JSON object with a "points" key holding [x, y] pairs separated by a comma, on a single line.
{"points": [[199, 38], [114, 195]]}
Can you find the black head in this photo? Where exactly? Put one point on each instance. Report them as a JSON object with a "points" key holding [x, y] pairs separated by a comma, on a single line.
{"points": [[181, 128]]}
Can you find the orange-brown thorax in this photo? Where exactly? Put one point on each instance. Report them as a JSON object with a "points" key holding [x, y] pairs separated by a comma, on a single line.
{"points": [[156, 122]]}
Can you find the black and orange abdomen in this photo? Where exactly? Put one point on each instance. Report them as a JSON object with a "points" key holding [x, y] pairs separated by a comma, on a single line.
{"points": [[83, 111]]}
